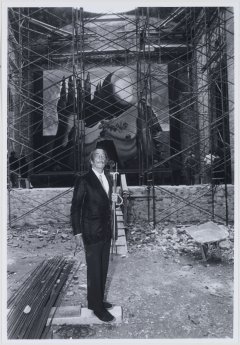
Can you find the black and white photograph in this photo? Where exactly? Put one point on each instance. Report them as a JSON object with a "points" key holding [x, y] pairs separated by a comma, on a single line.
{"points": [[119, 172]]}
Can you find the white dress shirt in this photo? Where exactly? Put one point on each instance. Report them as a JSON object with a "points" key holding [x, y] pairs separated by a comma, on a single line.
{"points": [[104, 179]]}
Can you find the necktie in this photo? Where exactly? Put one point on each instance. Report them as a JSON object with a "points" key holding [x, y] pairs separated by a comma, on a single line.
{"points": [[101, 180]]}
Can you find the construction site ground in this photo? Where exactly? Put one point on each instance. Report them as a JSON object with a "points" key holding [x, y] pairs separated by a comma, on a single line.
{"points": [[165, 288]]}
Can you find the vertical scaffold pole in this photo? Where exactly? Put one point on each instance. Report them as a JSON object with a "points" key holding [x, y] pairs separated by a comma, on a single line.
{"points": [[223, 111], [75, 152], [210, 108], [82, 79], [139, 95], [151, 169]]}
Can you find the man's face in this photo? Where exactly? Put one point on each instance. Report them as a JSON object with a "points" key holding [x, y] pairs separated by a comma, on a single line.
{"points": [[99, 160]]}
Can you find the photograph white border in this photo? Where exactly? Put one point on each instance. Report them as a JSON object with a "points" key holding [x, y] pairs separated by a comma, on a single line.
{"points": [[107, 6]]}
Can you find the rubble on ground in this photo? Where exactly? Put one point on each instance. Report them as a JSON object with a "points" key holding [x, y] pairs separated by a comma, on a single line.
{"points": [[173, 239], [160, 257]]}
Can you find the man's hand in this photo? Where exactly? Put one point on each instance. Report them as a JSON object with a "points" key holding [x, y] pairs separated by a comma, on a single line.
{"points": [[80, 245], [79, 240], [117, 199], [114, 197]]}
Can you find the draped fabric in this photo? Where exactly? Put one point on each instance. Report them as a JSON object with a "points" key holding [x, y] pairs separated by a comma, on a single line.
{"points": [[112, 111]]}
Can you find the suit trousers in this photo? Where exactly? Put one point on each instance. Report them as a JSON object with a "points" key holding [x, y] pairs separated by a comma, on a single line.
{"points": [[97, 259]]}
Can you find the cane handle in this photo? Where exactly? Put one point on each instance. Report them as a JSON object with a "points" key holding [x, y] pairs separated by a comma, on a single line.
{"points": [[121, 201]]}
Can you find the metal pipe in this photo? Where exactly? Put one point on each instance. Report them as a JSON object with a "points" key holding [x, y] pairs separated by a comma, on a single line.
{"points": [[40, 296]]}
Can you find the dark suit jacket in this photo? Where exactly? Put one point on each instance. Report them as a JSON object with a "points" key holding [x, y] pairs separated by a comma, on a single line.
{"points": [[91, 208]]}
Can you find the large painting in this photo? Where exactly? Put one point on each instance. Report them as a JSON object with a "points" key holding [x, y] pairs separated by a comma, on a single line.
{"points": [[107, 104]]}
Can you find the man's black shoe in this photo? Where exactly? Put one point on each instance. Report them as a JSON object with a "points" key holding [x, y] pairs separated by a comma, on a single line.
{"points": [[104, 315], [107, 305]]}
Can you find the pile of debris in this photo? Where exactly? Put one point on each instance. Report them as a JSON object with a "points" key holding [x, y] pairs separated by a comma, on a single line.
{"points": [[173, 239], [45, 234]]}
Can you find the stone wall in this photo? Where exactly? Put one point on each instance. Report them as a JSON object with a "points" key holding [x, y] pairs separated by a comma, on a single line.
{"points": [[181, 204], [40, 206]]}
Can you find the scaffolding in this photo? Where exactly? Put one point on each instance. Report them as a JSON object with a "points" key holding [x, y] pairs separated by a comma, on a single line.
{"points": [[159, 78]]}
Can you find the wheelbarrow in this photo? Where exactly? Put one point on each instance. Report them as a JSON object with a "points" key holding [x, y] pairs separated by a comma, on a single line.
{"points": [[206, 234]]}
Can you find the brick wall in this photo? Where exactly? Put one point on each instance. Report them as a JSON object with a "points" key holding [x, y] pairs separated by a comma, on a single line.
{"points": [[52, 205]]}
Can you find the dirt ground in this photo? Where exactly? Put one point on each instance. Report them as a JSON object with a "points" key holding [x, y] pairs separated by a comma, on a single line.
{"points": [[165, 288]]}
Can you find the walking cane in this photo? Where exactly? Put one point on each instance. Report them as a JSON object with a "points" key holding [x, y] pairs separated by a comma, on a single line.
{"points": [[114, 174]]}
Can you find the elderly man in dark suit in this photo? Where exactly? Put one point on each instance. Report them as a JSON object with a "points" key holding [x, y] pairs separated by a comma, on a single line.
{"points": [[91, 222]]}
